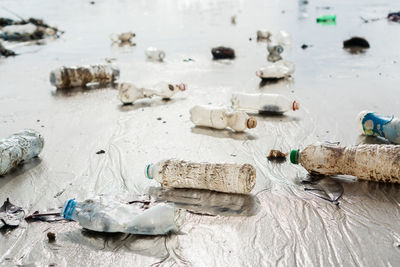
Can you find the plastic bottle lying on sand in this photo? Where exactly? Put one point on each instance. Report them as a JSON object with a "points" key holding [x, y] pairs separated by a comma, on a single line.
{"points": [[277, 70], [273, 103], [104, 214], [129, 93], [69, 77], [19, 147], [378, 163], [18, 32], [369, 123], [222, 177], [221, 118], [155, 54]]}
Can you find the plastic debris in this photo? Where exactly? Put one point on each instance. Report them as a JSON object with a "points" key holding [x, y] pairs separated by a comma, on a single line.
{"points": [[221, 118], [106, 214], [10, 215], [275, 52], [69, 77], [222, 52], [277, 70], [276, 155], [125, 37], [100, 152], [155, 54], [394, 16], [19, 147], [269, 103], [325, 188], [369, 123], [222, 177], [129, 93], [263, 35], [356, 42], [329, 19], [26, 30], [304, 46], [377, 163], [6, 52], [51, 237], [44, 217]]}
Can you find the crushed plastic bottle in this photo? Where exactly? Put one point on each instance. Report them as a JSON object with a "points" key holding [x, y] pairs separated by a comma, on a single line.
{"points": [[271, 103], [275, 51], [69, 77], [129, 93], [369, 123], [19, 147], [277, 70], [222, 177], [379, 163], [221, 118], [263, 35], [155, 54], [18, 32], [105, 214]]}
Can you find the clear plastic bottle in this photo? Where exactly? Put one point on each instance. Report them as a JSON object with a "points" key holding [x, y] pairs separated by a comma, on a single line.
{"points": [[273, 103], [105, 214], [19, 147], [69, 77], [221, 118], [155, 54], [222, 177], [378, 163], [277, 70], [370, 123], [129, 93]]}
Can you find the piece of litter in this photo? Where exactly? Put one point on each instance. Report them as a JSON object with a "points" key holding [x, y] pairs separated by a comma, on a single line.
{"points": [[155, 54], [276, 155], [356, 42], [100, 152], [10, 215], [51, 237], [222, 52]]}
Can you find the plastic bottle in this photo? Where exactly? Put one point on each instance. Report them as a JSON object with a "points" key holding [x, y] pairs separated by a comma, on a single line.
{"points": [[19, 147], [222, 177], [263, 34], [104, 214], [369, 162], [277, 70], [18, 32], [69, 77], [155, 54], [369, 123], [129, 93], [263, 102], [221, 118]]}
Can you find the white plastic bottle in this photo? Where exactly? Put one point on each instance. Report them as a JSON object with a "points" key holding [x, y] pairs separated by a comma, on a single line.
{"points": [[221, 118], [277, 70], [69, 77], [155, 54], [19, 147], [222, 177], [105, 214], [378, 163], [129, 93], [272, 103]]}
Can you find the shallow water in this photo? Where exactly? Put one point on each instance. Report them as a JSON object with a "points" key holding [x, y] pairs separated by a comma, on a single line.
{"points": [[292, 227]]}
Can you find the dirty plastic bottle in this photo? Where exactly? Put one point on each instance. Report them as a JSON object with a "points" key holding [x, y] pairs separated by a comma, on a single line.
{"points": [[69, 77], [222, 177], [273, 103], [369, 123], [221, 118], [277, 70], [105, 214], [129, 93], [18, 32], [275, 51], [155, 54], [378, 163], [19, 147], [263, 34]]}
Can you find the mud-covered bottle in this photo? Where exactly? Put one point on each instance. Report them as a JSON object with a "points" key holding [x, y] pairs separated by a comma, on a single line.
{"points": [[269, 103]]}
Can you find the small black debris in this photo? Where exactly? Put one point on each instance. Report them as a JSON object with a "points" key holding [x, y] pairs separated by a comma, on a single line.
{"points": [[222, 52], [6, 52], [356, 42], [159, 118], [394, 16], [92, 2], [100, 152], [51, 236], [164, 122], [304, 46]]}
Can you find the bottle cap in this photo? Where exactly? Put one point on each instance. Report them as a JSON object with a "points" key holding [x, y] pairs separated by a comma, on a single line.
{"points": [[294, 156], [147, 171], [68, 209], [296, 105], [251, 123]]}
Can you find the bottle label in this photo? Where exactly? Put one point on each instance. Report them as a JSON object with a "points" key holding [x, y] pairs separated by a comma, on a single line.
{"points": [[373, 124], [69, 209]]}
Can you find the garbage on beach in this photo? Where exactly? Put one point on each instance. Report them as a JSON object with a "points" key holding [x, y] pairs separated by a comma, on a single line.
{"points": [[327, 20], [276, 155], [388, 127], [6, 52], [222, 52], [263, 34], [269, 103], [69, 77], [19, 147], [379, 163], [274, 52], [222, 177], [129, 93], [155, 54], [108, 214], [277, 70], [221, 118], [394, 16], [10, 215], [26, 30], [356, 42], [122, 38]]}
